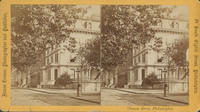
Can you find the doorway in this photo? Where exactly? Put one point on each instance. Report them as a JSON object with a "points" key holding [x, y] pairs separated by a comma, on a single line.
{"points": [[143, 74], [55, 74]]}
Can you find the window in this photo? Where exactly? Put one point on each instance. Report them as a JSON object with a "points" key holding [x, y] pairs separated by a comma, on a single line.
{"points": [[56, 58], [52, 59], [177, 25], [139, 59], [135, 61], [143, 58], [85, 25], [172, 24]]}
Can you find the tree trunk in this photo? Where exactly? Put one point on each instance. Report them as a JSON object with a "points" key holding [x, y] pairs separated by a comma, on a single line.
{"points": [[111, 77], [116, 76]]}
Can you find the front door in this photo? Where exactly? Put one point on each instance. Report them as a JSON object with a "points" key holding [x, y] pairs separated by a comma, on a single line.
{"points": [[56, 74], [143, 74]]}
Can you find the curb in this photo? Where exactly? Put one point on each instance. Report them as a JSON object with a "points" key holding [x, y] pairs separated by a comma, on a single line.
{"points": [[131, 91], [172, 100], [77, 98], [42, 91], [154, 96], [85, 100]]}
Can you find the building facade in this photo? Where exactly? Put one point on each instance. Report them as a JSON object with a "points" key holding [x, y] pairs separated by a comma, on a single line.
{"points": [[146, 61], [59, 60]]}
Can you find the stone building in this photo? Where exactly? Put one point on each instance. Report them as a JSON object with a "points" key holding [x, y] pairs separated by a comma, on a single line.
{"points": [[146, 61], [59, 60]]}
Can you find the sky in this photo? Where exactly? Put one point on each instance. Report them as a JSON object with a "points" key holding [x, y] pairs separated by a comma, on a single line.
{"points": [[182, 12], [92, 9]]}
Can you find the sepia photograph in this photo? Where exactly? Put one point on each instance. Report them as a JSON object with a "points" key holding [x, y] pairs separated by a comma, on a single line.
{"points": [[145, 55], [109, 55], [47, 64]]}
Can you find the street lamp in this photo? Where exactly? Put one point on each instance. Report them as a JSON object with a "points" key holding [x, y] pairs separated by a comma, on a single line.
{"points": [[165, 84], [78, 83]]}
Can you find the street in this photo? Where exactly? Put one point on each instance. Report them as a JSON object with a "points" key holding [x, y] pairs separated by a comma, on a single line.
{"points": [[68, 98], [116, 97], [30, 97]]}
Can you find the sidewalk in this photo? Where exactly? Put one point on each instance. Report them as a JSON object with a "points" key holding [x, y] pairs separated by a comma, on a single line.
{"points": [[90, 97], [180, 98]]}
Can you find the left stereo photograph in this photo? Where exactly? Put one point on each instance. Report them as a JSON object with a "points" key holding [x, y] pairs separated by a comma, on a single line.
{"points": [[48, 55]]}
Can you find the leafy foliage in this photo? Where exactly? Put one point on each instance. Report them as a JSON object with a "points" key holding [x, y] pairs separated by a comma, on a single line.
{"points": [[36, 26], [175, 53], [63, 80], [179, 51], [121, 27], [91, 52], [151, 80]]}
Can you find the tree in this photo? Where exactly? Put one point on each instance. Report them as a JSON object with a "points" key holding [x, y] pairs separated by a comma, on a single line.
{"points": [[63, 80], [179, 51], [91, 52], [175, 54], [121, 27], [36, 26]]}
